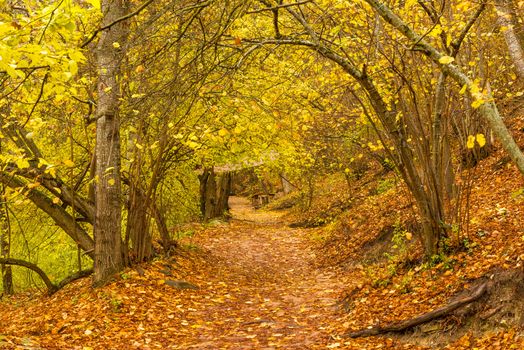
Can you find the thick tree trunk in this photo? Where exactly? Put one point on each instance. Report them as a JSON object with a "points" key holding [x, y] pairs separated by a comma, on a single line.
{"points": [[210, 196], [107, 228], [223, 191], [508, 21]]}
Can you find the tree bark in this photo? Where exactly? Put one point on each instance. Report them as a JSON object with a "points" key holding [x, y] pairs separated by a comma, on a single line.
{"points": [[509, 23], [107, 229], [223, 190], [210, 198], [138, 224], [214, 193], [5, 249]]}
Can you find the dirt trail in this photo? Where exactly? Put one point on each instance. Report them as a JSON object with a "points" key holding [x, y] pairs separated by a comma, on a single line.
{"points": [[281, 301], [257, 289]]}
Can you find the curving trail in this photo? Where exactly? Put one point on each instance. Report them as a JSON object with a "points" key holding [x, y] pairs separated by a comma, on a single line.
{"points": [[258, 289], [276, 298]]}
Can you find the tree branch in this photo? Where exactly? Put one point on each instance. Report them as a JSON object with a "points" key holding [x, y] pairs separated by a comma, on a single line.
{"points": [[123, 18], [427, 317], [279, 7], [455, 44], [51, 288]]}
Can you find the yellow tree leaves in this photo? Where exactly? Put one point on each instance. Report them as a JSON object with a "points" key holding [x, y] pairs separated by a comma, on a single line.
{"points": [[480, 139], [446, 59]]}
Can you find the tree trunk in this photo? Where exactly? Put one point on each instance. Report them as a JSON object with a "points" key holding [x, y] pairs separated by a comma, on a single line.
{"points": [[214, 194], [508, 21], [107, 229], [138, 225], [203, 178], [223, 191], [210, 198], [138, 235], [167, 243], [5, 249], [287, 187], [5, 242]]}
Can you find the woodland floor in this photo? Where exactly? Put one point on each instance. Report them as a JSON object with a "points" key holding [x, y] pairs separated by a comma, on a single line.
{"points": [[260, 286], [258, 290]]}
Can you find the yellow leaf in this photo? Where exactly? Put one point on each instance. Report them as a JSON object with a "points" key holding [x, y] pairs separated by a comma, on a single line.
{"points": [[409, 236], [477, 103], [42, 162], [51, 171], [69, 163], [471, 142], [116, 45], [22, 163], [446, 59], [111, 182], [139, 69], [56, 200], [463, 90], [94, 3], [223, 132], [481, 140], [435, 32]]}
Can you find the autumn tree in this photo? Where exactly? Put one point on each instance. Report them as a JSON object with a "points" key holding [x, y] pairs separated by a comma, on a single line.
{"points": [[358, 48]]}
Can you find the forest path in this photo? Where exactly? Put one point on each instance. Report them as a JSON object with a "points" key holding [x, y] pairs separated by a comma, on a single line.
{"points": [[257, 288], [276, 298]]}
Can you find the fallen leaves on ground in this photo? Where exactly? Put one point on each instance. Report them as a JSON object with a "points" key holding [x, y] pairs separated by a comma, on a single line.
{"points": [[258, 289]]}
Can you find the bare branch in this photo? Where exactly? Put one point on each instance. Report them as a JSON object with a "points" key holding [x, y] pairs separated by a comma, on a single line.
{"points": [[279, 7], [457, 42]]}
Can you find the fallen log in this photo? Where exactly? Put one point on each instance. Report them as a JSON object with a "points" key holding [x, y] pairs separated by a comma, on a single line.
{"points": [[417, 321]]}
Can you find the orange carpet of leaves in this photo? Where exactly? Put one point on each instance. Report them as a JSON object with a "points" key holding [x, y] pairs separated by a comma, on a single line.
{"points": [[261, 287]]}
